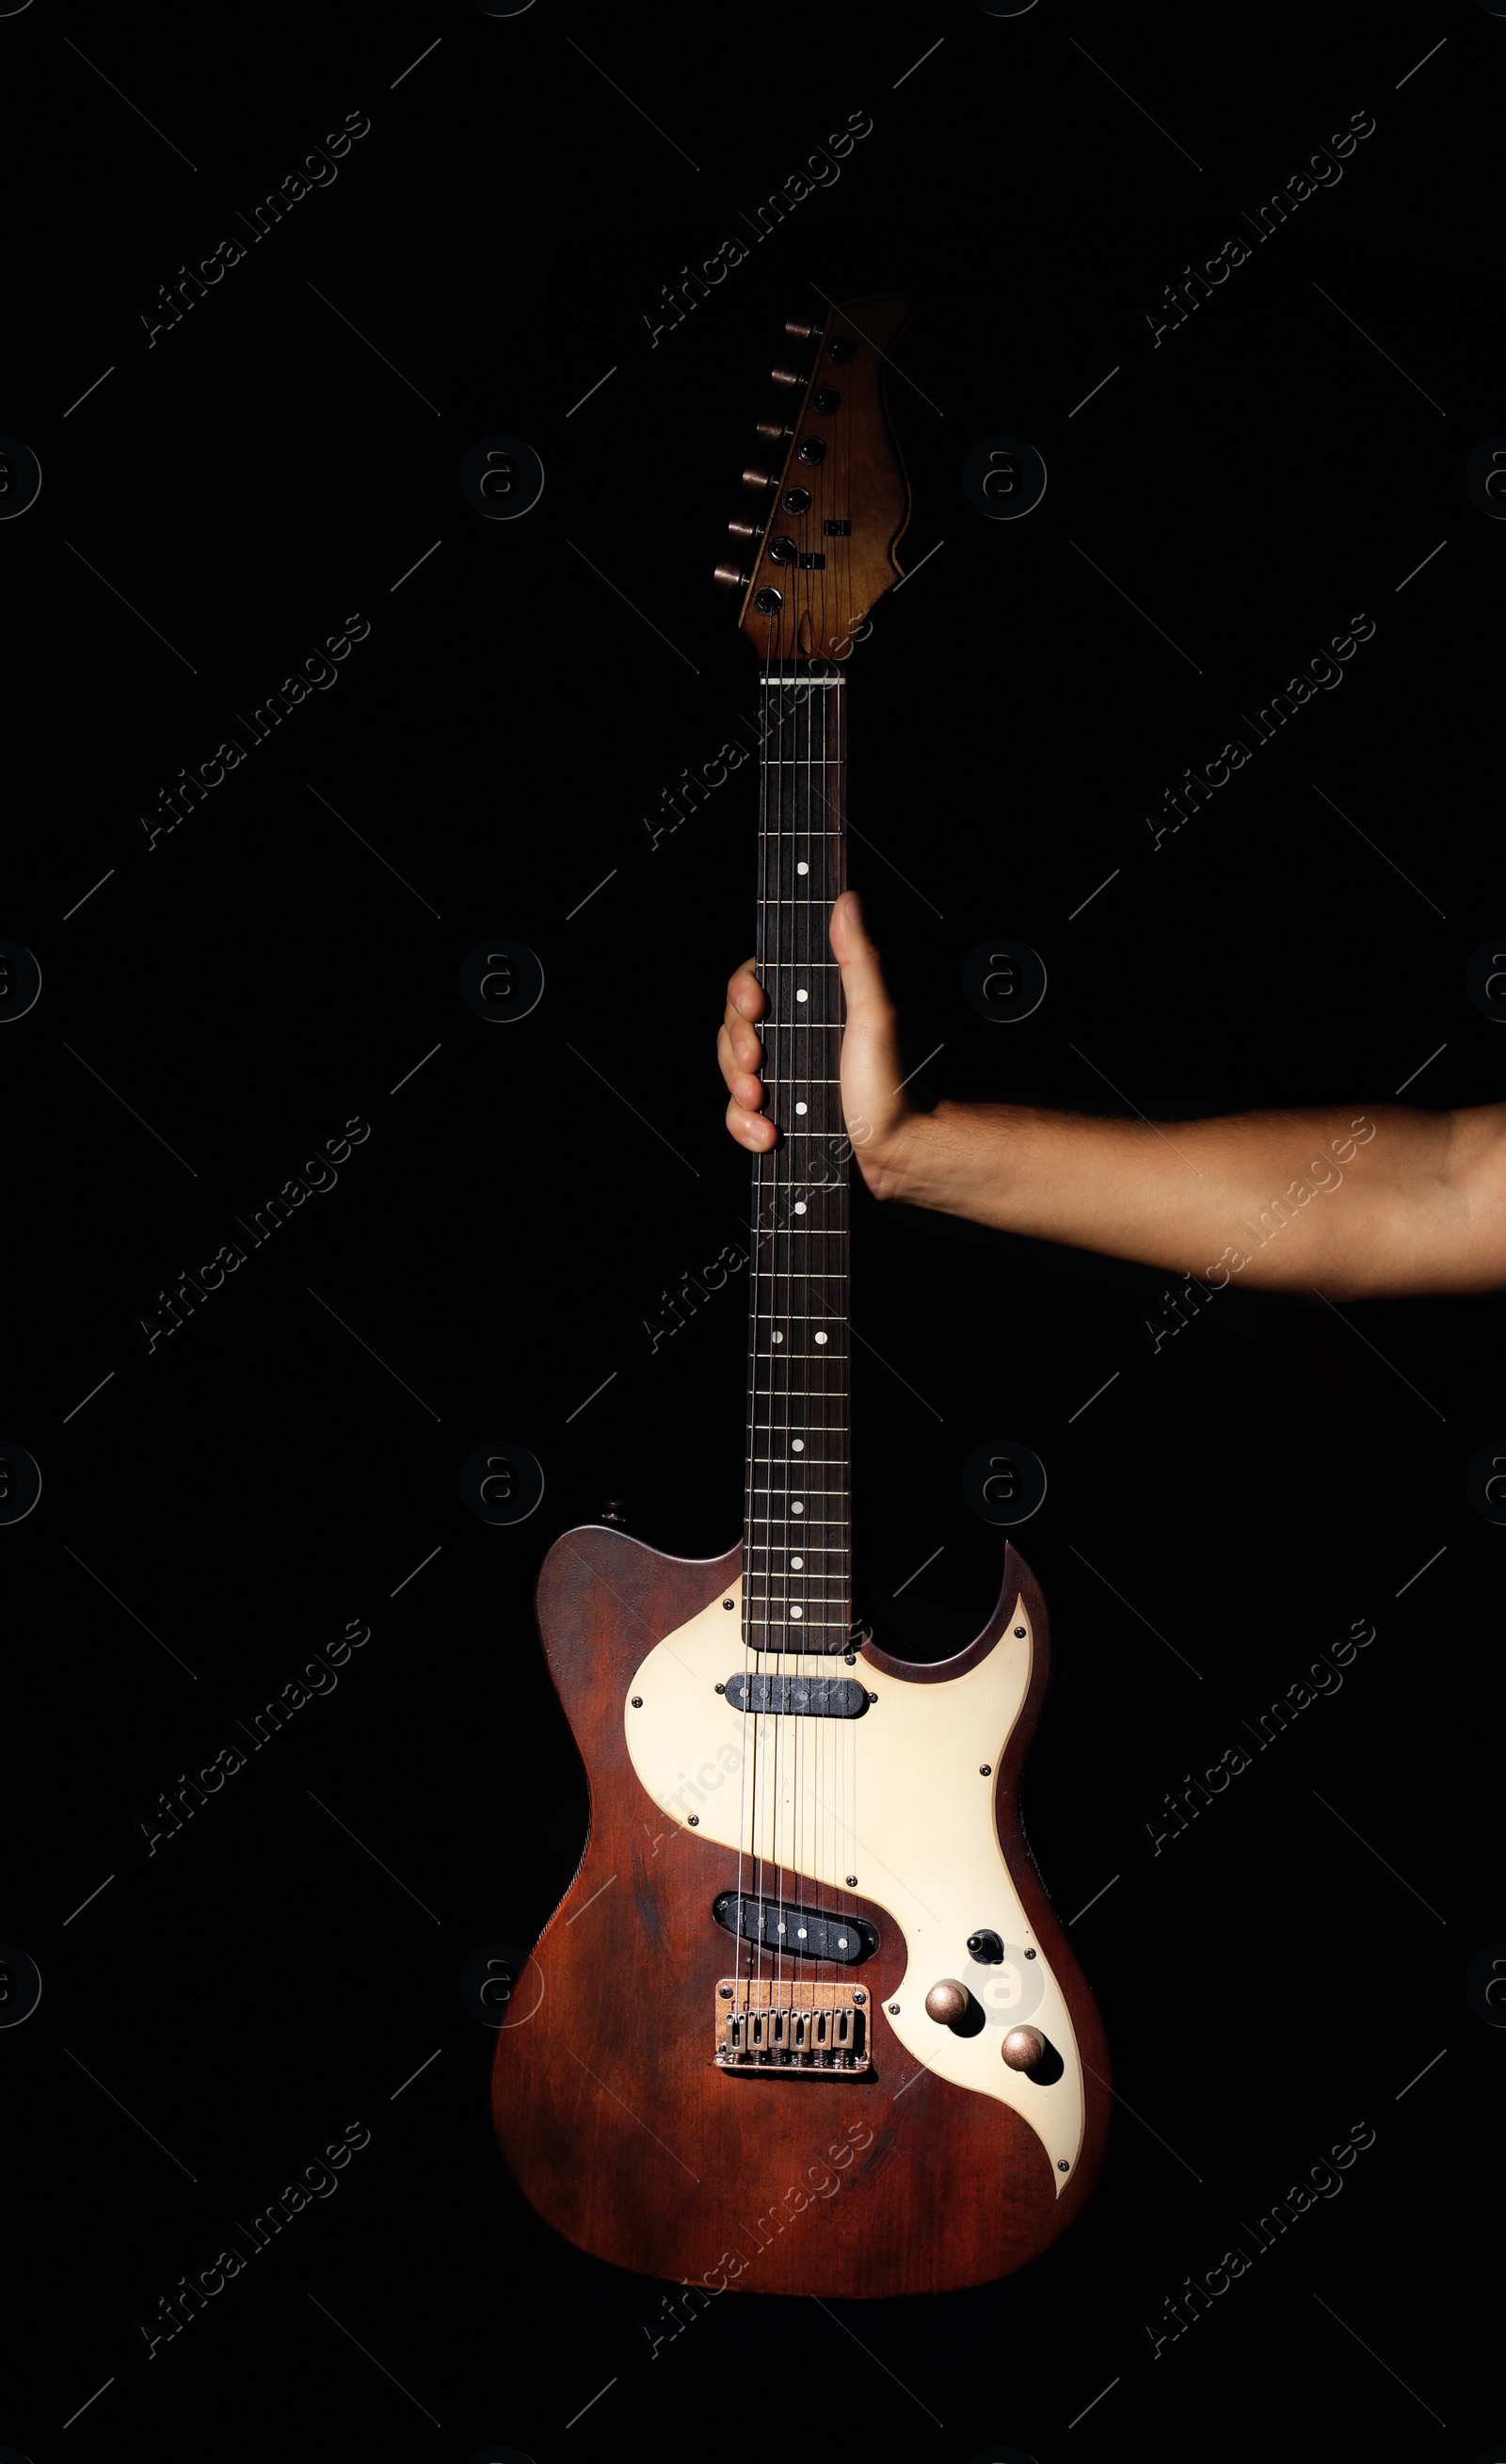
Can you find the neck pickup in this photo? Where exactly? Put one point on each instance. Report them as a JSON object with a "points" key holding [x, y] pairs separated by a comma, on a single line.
{"points": [[814, 1698]]}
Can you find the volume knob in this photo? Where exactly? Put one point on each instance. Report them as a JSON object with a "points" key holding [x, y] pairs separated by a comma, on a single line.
{"points": [[1022, 2048], [946, 2002]]}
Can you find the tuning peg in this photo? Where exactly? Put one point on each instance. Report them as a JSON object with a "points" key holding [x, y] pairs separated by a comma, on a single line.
{"points": [[727, 576], [787, 376], [799, 328], [774, 431], [753, 477], [741, 530]]}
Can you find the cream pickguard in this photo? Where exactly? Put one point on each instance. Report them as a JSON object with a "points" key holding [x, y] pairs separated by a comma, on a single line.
{"points": [[896, 1798]]}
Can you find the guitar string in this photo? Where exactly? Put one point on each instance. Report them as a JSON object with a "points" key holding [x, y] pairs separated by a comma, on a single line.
{"points": [[782, 1767], [754, 1607]]}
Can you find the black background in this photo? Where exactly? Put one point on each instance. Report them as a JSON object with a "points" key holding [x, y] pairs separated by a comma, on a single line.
{"points": [[1234, 1500]]}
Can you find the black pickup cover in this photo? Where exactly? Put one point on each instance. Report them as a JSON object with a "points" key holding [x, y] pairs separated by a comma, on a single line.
{"points": [[806, 1933], [818, 1697]]}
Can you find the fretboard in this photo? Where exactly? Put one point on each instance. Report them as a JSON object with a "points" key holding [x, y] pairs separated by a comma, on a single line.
{"points": [[797, 1549]]}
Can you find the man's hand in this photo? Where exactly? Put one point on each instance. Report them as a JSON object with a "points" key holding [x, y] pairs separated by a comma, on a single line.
{"points": [[880, 1119]]}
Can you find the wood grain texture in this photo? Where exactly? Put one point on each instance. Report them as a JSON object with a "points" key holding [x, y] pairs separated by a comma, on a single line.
{"points": [[616, 2122], [861, 480]]}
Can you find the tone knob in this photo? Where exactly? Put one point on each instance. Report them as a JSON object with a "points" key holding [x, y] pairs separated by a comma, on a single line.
{"points": [[1022, 2048], [985, 1946], [731, 577], [753, 477], [946, 2002]]}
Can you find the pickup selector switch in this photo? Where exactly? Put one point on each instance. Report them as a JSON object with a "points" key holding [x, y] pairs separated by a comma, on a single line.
{"points": [[986, 1948]]}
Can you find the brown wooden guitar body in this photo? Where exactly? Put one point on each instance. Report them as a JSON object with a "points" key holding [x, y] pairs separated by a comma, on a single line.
{"points": [[616, 2121]]}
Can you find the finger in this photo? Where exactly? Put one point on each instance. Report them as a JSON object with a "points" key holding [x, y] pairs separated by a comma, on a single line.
{"points": [[745, 1085], [745, 994], [744, 1043], [750, 1128]]}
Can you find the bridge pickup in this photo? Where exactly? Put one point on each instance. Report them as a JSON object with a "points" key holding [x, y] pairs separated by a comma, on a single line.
{"points": [[816, 1698], [795, 2030], [803, 1932]]}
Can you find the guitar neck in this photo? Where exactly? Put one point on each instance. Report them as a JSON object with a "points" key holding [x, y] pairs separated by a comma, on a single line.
{"points": [[797, 1534]]}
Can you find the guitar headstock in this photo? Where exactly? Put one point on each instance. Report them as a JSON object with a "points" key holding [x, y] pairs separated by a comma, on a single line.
{"points": [[828, 495]]}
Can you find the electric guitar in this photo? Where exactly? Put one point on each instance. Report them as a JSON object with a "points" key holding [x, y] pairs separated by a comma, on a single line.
{"points": [[805, 2022]]}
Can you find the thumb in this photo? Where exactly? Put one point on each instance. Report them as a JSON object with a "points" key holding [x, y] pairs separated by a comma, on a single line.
{"points": [[867, 994]]}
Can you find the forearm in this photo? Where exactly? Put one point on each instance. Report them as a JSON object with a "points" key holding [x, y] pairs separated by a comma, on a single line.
{"points": [[1343, 1201]]}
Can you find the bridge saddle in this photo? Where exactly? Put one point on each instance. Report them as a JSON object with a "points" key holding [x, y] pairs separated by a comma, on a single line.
{"points": [[793, 2027]]}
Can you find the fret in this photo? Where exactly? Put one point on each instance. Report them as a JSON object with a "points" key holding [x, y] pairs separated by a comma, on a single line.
{"points": [[822, 1524], [828, 1625]]}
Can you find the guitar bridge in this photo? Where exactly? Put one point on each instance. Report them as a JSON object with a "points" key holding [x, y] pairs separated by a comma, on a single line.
{"points": [[792, 2028]]}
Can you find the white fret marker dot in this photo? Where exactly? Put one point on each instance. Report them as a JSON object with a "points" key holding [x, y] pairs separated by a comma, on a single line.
{"points": [[796, 1508], [799, 1107], [776, 1336], [798, 1563], [796, 1445], [799, 1206], [821, 1339], [802, 867], [800, 996], [797, 1610]]}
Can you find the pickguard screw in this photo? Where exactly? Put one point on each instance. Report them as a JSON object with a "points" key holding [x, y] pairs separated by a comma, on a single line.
{"points": [[984, 1769], [873, 1698], [1020, 1633], [726, 1604], [852, 1881], [696, 1825], [894, 2009], [637, 1702], [1030, 1954], [721, 1689], [1061, 2163], [850, 1658]]}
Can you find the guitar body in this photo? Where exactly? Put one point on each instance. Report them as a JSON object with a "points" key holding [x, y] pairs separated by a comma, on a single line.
{"points": [[935, 2165]]}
